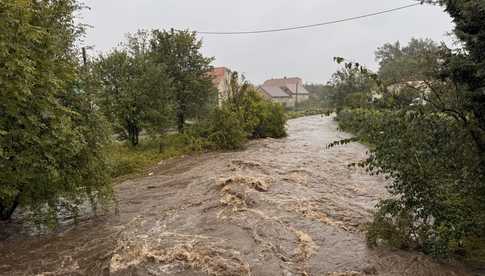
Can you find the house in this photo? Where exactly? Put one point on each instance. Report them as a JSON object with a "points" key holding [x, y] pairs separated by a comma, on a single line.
{"points": [[277, 94], [287, 91], [221, 80]]}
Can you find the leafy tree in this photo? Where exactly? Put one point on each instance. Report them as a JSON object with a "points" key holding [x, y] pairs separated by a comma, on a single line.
{"points": [[416, 61], [51, 142], [436, 203], [351, 86], [431, 153], [188, 70], [320, 93], [136, 92]]}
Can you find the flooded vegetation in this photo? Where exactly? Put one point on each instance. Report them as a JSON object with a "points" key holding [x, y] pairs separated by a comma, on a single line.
{"points": [[152, 157], [281, 207]]}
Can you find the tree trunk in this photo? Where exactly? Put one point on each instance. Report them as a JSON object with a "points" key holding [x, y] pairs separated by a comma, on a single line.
{"points": [[180, 121], [133, 134], [136, 135], [6, 212]]}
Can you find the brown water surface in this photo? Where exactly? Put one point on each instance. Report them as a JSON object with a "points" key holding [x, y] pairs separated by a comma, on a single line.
{"points": [[281, 207]]}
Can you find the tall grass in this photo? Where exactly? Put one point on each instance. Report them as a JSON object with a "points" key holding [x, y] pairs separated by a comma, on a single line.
{"points": [[128, 160]]}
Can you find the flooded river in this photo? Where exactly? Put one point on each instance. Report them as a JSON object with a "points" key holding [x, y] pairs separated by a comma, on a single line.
{"points": [[281, 207]]}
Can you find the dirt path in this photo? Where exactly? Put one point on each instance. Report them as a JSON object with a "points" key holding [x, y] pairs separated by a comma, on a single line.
{"points": [[282, 207]]}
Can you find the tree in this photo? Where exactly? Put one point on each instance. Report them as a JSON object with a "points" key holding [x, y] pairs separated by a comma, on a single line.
{"points": [[188, 70], [320, 94], [416, 61], [136, 91], [351, 86], [244, 114], [432, 152], [51, 142], [466, 66]]}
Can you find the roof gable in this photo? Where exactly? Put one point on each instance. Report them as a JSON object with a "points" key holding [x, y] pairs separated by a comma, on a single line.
{"points": [[274, 91], [292, 85]]}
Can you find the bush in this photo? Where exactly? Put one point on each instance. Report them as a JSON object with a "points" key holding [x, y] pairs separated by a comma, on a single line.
{"points": [[227, 129], [243, 116], [260, 117], [271, 121], [436, 189]]}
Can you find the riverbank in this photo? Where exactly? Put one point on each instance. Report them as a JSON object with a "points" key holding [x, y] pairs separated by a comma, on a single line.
{"points": [[280, 207]]}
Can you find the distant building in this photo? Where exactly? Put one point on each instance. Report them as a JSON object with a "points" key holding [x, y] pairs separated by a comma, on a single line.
{"points": [[221, 79], [277, 94], [287, 91]]}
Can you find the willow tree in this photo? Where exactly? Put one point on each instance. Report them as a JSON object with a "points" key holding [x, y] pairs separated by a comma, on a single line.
{"points": [[51, 135]]}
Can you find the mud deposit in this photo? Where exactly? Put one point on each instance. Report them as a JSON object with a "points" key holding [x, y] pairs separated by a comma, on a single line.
{"points": [[281, 207]]}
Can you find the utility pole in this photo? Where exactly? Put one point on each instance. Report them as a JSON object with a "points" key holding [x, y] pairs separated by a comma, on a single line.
{"points": [[85, 59], [296, 97]]}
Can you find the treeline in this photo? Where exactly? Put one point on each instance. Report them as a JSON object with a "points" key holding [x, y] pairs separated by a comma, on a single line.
{"points": [[62, 118], [423, 114]]}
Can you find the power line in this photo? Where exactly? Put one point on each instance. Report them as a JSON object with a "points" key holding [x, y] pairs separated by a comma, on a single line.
{"points": [[311, 25]]}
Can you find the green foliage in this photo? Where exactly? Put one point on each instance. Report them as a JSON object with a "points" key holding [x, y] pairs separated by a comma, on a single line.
{"points": [[391, 226], [272, 121], [352, 86], [227, 129], [428, 137], [135, 90], [127, 159], [188, 69], [244, 114], [52, 137], [416, 61], [437, 182], [320, 97], [260, 118]]}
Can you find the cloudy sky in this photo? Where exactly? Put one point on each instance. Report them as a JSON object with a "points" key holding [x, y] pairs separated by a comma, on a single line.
{"points": [[305, 53]]}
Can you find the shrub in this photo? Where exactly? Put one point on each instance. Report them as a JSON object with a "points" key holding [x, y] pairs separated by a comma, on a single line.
{"points": [[436, 188], [271, 121], [260, 117], [226, 129]]}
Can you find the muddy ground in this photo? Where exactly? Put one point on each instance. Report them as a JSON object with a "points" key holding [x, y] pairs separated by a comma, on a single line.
{"points": [[281, 207]]}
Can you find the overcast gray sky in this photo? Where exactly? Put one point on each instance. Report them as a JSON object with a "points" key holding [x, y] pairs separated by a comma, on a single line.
{"points": [[305, 53]]}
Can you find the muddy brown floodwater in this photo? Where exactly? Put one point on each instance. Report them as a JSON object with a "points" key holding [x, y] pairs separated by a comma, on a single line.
{"points": [[281, 207]]}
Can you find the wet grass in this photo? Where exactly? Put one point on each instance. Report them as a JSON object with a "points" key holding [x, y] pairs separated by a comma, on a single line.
{"points": [[127, 160]]}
